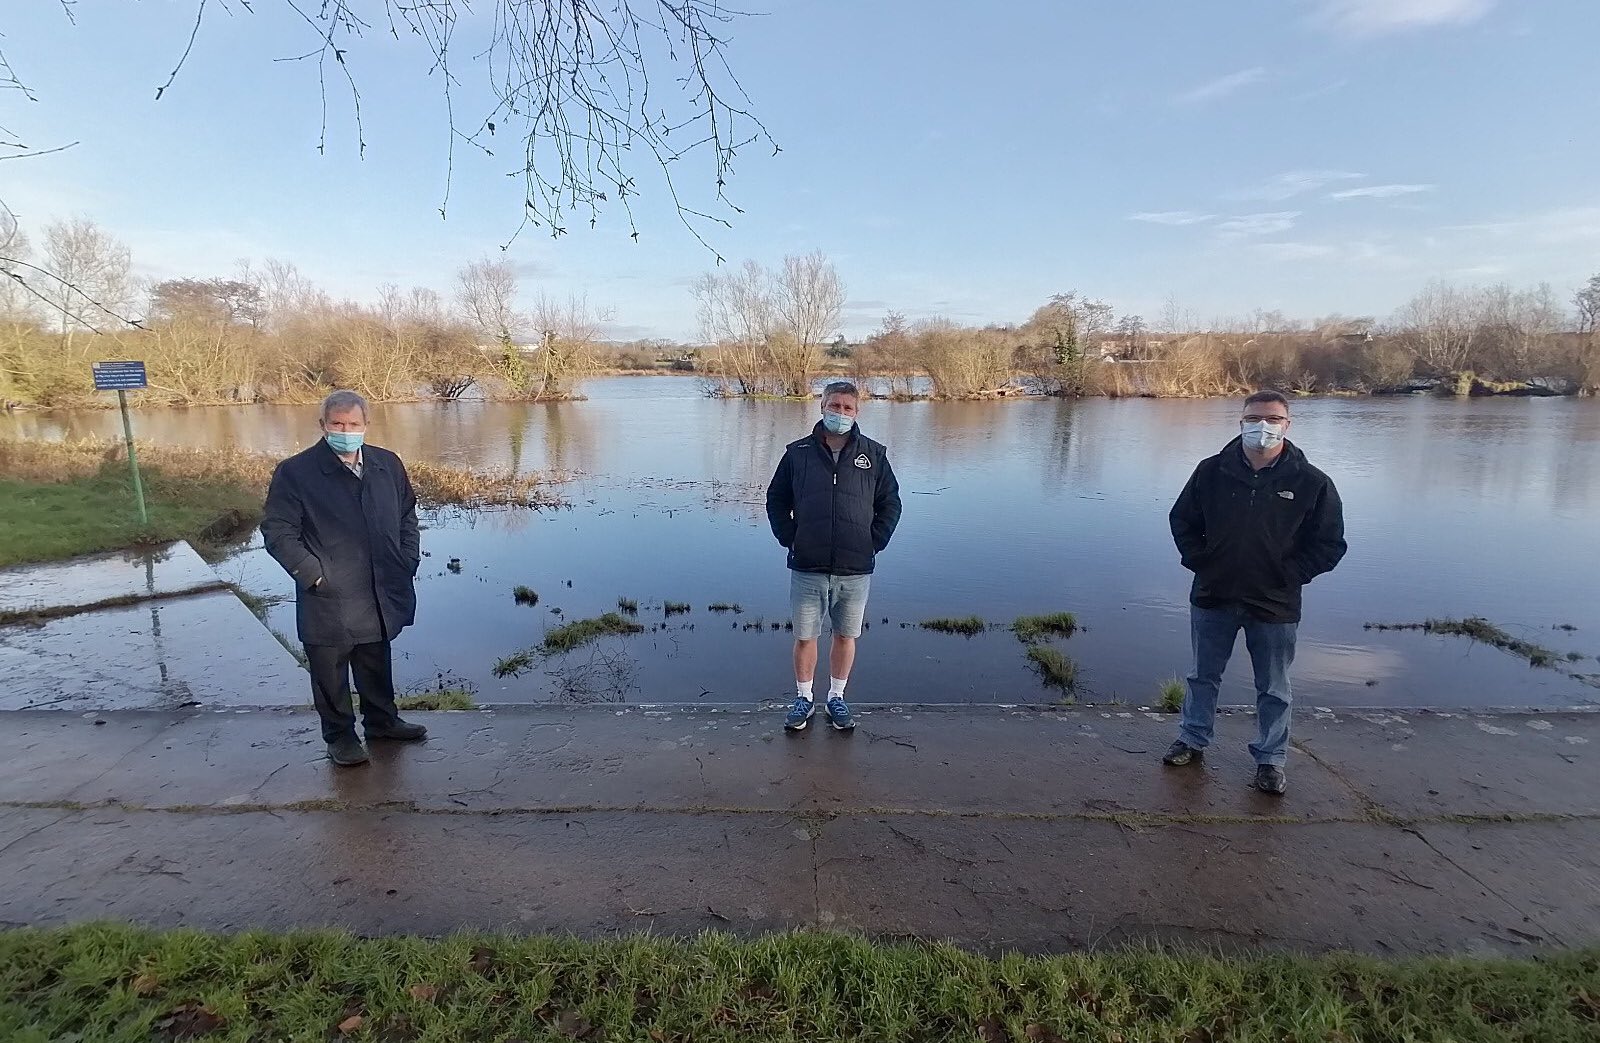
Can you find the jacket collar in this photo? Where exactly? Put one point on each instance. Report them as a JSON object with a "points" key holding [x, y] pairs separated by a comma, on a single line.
{"points": [[819, 435], [330, 463], [1234, 462]]}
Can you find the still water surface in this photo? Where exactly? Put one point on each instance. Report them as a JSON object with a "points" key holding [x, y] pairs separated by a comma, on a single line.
{"points": [[1453, 508]]}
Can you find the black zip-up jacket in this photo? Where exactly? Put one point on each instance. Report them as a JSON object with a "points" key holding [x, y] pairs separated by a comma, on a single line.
{"points": [[1256, 537], [834, 517]]}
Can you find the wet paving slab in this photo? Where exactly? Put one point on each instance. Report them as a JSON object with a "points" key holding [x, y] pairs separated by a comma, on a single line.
{"points": [[205, 649], [163, 571], [1423, 764], [996, 829]]}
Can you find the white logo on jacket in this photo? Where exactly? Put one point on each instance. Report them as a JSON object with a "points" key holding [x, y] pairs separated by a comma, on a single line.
{"points": [[863, 463]]}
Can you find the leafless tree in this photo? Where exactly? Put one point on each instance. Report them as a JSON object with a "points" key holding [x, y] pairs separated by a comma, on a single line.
{"points": [[736, 317], [808, 303], [89, 272], [1587, 301], [1439, 325], [569, 333]]}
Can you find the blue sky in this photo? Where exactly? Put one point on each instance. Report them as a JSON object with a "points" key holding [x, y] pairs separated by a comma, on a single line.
{"points": [[953, 158]]}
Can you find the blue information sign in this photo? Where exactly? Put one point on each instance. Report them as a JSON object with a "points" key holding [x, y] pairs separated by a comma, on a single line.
{"points": [[118, 376]]}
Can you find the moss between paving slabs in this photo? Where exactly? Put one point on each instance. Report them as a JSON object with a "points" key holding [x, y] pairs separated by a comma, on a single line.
{"points": [[118, 983]]}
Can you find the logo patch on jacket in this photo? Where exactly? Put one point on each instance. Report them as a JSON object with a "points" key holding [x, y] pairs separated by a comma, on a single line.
{"points": [[1287, 494], [863, 463]]}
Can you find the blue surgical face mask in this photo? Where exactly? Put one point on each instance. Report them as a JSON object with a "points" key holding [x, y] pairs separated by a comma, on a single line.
{"points": [[837, 423], [1261, 435], [345, 441]]}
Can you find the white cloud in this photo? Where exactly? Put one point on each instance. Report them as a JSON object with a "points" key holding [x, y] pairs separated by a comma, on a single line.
{"points": [[1375, 17], [1293, 183], [1563, 226], [1221, 87], [1283, 251], [1171, 217], [1246, 225], [1380, 191]]}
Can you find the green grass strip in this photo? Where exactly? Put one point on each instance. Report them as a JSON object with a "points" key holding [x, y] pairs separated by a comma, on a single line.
{"points": [[119, 984]]}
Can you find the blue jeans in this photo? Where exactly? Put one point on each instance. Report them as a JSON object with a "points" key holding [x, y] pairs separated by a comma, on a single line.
{"points": [[1271, 647]]}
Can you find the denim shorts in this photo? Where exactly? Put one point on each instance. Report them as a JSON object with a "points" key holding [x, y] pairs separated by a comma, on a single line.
{"points": [[843, 599]]}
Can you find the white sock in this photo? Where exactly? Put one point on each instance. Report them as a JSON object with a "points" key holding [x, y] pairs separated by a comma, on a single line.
{"points": [[836, 687], [804, 688]]}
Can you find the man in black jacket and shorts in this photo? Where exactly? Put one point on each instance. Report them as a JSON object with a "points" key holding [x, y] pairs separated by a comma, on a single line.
{"points": [[833, 503]]}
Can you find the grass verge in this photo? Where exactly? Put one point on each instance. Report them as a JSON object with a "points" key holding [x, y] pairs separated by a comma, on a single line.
{"points": [[115, 983], [62, 499], [1037, 628], [967, 626], [1058, 669]]}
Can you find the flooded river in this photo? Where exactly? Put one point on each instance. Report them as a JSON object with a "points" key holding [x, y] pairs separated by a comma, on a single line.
{"points": [[1453, 508]]}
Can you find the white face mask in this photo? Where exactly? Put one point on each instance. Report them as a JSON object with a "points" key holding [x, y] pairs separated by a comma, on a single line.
{"points": [[1262, 435]]}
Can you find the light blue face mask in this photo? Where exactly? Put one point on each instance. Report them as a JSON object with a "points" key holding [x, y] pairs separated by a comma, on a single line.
{"points": [[1261, 435], [837, 423], [345, 441]]}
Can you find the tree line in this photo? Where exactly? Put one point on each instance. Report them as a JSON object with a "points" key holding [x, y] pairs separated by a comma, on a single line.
{"points": [[268, 334]]}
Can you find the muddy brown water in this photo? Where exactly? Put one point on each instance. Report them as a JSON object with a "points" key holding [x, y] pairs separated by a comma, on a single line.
{"points": [[1453, 508]]}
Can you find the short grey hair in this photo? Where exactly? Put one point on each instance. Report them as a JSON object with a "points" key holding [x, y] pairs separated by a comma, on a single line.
{"points": [[841, 387], [342, 401]]}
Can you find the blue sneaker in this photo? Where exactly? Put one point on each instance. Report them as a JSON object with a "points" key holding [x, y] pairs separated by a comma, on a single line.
{"points": [[799, 715], [839, 715]]}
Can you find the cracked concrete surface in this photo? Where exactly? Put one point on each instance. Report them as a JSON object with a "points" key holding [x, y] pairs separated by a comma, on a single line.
{"points": [[997, 828]]}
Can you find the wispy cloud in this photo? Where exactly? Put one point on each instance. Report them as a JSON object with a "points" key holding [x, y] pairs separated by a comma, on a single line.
{"points": [[1376, 17], [1171, 217], [1221, 87], [1289, 251], [1246, 225], [1380, 191], [1293, 183], [1562, 226]]}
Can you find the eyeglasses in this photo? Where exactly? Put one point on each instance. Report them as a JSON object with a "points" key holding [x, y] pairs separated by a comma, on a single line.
{"points": [[1252, 418]]}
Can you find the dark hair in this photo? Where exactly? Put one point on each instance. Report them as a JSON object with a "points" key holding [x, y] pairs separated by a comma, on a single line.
{"points": [[841, 387], [1268, 396]]}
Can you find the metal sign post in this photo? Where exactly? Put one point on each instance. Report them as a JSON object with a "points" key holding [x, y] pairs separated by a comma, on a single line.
{"points": [[123, 377]]}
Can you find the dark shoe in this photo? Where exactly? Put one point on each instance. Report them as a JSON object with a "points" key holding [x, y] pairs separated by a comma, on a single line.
{"points": [[839, 715], [1270, 779], [399, 731], [347, 752], [1179, 754]]}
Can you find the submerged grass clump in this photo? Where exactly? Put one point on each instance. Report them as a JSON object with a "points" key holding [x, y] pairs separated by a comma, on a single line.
{"points": [[580, 632], [446, 699], [525, 596], [1055, 667], [1037, 628], [725, 606], [1172, 691], [1479, 629], [628, 605], [967, 626], [677, 608]]}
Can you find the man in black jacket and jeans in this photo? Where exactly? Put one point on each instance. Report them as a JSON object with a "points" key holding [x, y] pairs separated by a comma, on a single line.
{"points": [[1255, 523], [342, 520], [834, 503]]}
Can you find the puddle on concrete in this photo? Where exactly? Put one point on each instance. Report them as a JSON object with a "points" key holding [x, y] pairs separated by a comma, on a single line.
{"points": [[206, 649], [88, 580]]}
